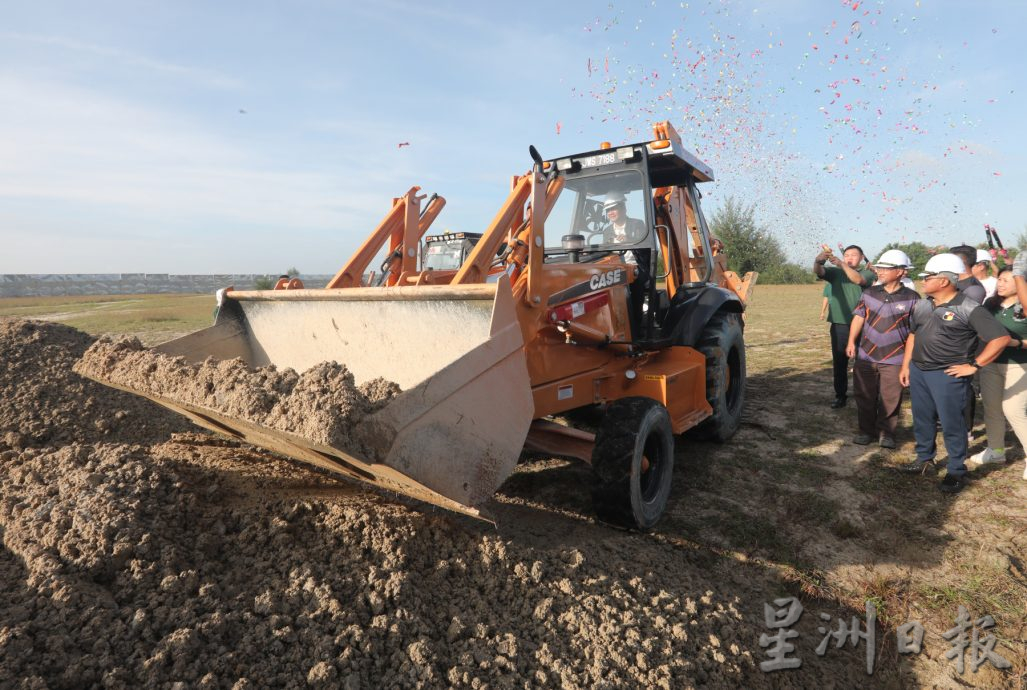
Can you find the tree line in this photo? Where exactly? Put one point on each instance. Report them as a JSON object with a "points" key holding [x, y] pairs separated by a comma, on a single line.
{"points": [[750, 247]]}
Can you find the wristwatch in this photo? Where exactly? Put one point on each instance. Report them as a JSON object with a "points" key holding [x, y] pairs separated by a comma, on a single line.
{"points": [[974, 364]]}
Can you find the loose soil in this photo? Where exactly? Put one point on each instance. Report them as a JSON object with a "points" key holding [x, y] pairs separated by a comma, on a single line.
{"points": [[181, 559], [42, 402], [323, 403]]}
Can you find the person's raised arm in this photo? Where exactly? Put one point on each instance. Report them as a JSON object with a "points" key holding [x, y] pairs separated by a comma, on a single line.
{"points": [[818, 264], [852, 274]]}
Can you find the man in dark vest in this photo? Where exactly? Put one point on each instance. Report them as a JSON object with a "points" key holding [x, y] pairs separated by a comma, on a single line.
{"points": [[946, 330]]}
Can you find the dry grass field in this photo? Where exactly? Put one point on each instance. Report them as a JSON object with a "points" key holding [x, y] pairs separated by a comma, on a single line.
{"points": [[153, 318], [790, 497]]}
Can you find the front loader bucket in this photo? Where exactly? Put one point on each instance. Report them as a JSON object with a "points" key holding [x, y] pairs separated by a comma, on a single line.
{"points": [[454, 433]]}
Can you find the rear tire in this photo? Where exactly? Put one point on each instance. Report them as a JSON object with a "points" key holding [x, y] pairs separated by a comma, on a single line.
{"points": [[633, 460], [723, 344]]}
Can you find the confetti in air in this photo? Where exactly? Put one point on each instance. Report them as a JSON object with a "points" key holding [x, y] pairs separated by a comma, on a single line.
{"points": [[853, 118]]}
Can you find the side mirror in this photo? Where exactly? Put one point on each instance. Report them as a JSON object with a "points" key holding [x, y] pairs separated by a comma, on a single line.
{"points": [[535, 155]]}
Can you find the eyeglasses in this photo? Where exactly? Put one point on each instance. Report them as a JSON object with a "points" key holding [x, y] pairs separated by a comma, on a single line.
{"points": [[932, 277], [887, 268]]}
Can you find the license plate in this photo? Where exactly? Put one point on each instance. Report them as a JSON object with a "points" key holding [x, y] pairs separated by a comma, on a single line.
{"points": [[593, 161]]}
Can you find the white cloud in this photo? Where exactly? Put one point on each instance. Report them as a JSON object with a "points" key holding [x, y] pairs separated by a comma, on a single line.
{"points": [[194, 75], [74, 162]]}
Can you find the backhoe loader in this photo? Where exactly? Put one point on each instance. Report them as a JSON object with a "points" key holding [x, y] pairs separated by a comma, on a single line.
{"points": [[596, 285]]}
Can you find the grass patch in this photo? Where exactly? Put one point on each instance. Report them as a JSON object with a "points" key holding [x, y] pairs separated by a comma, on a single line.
{"points": [[890, 596], [148, 316], [810, 582], [982, 587]]}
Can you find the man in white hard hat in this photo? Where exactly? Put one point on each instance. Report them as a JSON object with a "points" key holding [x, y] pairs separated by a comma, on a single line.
{"points": [[945, 331], [980, 272], [847, 282], [621, 229], [880, 326]]}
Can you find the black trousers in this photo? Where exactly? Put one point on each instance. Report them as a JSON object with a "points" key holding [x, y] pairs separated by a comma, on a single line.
{"points": [[970, 408], [839, 340]]}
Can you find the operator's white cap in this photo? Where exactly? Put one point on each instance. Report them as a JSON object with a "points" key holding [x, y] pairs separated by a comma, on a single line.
{"points": [[613, 199], [983, 255]]}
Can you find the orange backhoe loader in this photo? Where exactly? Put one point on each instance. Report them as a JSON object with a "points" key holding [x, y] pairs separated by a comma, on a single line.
{"points": [[597, 284]]}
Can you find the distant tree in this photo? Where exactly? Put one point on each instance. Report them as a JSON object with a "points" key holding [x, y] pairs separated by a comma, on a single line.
{"points": [[787, 273], [293, 272], [750, 247], [919, 253], [1021, 239]]}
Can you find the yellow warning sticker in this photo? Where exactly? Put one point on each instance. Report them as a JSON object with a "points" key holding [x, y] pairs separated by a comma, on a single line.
{"points": [[653, 377]]}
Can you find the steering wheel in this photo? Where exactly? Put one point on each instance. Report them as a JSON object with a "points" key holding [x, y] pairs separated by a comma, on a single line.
{"points": [[591, 234]]}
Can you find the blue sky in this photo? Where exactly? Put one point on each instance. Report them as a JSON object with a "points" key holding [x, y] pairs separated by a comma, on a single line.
{"points": [[194, 137]]}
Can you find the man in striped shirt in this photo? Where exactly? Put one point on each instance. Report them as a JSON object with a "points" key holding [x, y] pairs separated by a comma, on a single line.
{"points": [[882, 319]]}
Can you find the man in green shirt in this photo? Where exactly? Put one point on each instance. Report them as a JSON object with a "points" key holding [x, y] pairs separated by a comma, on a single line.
{"points": [[847, 282]]}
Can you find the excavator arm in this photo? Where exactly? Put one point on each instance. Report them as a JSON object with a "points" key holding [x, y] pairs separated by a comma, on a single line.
{"points": [[403, 226]]}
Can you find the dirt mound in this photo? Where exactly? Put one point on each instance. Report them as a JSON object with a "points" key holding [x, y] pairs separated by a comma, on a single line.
{"points": [[202, 562], [322, 404], [141, 570], [43, 402]]}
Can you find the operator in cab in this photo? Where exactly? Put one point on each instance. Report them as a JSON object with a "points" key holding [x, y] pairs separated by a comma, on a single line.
{"points": [[620, 229]]}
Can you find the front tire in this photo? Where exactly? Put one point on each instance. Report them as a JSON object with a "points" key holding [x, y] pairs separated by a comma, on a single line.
{"points": [[723, 344], [633, 460]]}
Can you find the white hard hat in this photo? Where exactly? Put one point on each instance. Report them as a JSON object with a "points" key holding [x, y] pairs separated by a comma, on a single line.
{"points": [[894, 258], [613, 199], [983, 255], [944, 263]]}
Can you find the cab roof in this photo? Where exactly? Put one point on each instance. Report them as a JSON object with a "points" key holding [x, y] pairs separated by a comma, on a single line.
{"points": [[670, 163]]}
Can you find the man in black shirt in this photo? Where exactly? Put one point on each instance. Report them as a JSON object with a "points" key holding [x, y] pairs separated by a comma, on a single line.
{"points": [[975, 290], [967, 283], [944, 332]]}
